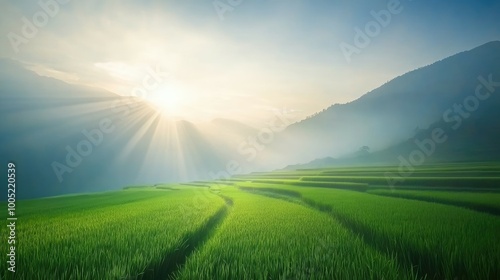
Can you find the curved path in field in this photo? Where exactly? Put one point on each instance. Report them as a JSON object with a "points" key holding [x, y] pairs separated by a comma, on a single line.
{"points": [[369, 236], [174, 260], [425, 262]]}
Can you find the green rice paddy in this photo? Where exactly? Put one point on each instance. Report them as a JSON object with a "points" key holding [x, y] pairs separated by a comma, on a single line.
{"points": [[439, 222]]}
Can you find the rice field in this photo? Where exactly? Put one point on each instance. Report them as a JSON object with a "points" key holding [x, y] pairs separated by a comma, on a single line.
{"points": [[440, 241], [488, 202], [442, 222], [125, 235], [266, 238]]}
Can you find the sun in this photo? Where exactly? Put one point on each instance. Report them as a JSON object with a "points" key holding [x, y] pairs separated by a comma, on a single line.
{"points": [[170, 101]]}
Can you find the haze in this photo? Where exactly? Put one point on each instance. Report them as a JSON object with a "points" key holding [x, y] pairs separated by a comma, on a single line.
{"points": [[244, 62]]}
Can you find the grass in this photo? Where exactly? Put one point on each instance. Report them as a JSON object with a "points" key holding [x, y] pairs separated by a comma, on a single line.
{"points": [[334, 223], [266, 238], [485, 202], [324, 184], [442, 242], [441, 181], [461, 176], [123, 235]]}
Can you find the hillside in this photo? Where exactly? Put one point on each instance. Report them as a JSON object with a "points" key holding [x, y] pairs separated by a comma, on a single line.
{"points": [[471, 139], [391, 113], [42, 132]]}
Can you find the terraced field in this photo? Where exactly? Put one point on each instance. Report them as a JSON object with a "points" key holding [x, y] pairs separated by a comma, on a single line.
{"points": [[266, 238], [118, 235], [488, 202], [439, 222], [439, 241]]}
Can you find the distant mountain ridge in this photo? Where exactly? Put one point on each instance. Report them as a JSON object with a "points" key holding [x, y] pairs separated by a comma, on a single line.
{"points": [[50, 129], [476, 140], [43, 116], [391, 113]]}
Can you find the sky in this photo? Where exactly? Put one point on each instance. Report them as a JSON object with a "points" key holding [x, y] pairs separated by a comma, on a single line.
{"points": [[239, 59]]}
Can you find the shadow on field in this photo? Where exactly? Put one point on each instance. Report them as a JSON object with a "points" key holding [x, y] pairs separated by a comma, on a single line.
{"points": [[408, 256], [173, 261]]}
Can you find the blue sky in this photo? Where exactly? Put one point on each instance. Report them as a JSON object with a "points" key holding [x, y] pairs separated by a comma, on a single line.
{"points": [[261, 56]]}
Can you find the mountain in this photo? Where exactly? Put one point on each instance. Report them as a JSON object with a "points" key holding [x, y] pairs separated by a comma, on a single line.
{"points": [[474, 137], [456, 137], [67, 138], [232, 127], [391, 113]]}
